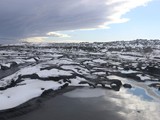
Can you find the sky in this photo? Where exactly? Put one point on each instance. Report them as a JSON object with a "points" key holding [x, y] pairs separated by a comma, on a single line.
{"points": [[78, 20]]}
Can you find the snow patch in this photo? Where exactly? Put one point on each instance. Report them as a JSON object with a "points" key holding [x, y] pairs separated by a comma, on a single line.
{"points": [[15, 96]]}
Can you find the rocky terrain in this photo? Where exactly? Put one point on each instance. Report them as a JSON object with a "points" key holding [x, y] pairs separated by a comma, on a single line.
{"points": [[29, 70]]}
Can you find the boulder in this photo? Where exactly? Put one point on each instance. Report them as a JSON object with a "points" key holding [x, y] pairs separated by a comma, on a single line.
{"points": [[127, 86], [116, 84]]}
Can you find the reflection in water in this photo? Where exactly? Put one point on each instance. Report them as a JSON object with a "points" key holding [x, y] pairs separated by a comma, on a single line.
{"points": [[134, 104], [141, 93], [136, 108], [140, 88]]}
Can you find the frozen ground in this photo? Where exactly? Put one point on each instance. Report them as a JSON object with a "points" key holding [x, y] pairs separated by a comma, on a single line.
{"points": [[128, 70]]}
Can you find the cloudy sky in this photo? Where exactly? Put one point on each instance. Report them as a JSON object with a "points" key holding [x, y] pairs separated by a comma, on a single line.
{"points": [[78, 20]]}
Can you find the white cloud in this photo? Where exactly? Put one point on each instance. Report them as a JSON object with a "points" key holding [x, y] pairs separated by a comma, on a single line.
{"points": [[33, 18], [48, 40], [55, 34], [121, 7], [34, 39]]}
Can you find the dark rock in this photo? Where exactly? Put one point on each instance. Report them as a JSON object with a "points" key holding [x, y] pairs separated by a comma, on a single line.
{"points": [[112, 84], [42, 88], [60, 82], [32, 76], [2, 88], [152, 70], [64, 86], [107, 73], [127, 86], [36, 59], [13, 64], [155, 85], [102, 83], [35, 76], [126, 68], [4, 67], [131, 75], [46, 92], [66, 80], [116, 88], [138, 111], [116, 85], [117, 82], [12, 84], [89, 83]]}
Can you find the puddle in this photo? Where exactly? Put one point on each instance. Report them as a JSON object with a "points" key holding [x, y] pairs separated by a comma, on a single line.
{"points": [[156, 91], [140, 92]]}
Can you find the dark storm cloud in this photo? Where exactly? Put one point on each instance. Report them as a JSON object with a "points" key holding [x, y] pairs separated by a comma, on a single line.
{"points": [[34, 18]]}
